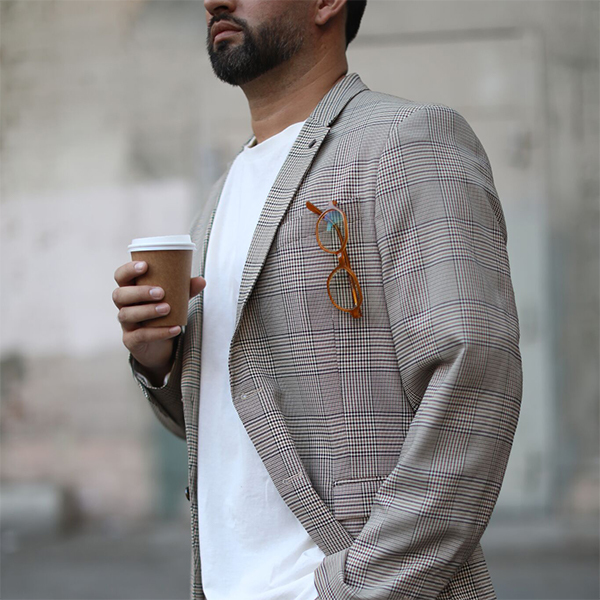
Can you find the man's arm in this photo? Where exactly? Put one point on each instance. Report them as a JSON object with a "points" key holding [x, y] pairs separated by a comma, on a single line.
{"points": [[442, 239], [155, 352]]}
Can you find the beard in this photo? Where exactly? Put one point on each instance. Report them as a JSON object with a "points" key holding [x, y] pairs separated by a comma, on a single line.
{"points": [[263, 49]]}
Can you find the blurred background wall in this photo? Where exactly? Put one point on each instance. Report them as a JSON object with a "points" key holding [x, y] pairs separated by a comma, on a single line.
{"points": [[112, 126]]}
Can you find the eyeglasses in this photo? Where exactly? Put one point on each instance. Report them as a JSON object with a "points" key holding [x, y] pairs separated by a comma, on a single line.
{"points": [[332, 236]]}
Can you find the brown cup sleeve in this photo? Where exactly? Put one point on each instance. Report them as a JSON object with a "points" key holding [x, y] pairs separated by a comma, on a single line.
{"points": [[170, 270]]}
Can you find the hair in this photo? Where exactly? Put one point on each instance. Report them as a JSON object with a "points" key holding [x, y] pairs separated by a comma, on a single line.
{"points": [[354, 13]]}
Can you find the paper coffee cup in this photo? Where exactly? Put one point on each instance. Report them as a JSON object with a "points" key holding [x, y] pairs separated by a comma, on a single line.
{"points": [[169, 259]]}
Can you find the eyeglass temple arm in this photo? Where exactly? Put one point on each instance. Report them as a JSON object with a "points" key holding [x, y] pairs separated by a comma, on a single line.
{"points": [[313, 208], [345, 262]]}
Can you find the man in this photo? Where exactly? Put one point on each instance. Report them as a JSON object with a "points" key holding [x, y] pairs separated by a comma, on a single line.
{"points": [[349, 381]]}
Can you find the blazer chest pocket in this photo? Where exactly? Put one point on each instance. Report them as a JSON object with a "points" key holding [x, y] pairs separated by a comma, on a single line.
{"points": [[352, 502]]}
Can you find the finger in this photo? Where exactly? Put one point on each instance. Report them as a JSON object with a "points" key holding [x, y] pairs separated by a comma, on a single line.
{"points": [[132, 315], [136, 294], [197, 284], [147, 335], [126, 273]]}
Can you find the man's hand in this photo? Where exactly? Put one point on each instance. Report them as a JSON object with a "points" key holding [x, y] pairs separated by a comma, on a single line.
{"points": [[152, 347]]}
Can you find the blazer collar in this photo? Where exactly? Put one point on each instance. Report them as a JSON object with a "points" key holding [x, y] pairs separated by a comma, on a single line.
{"points": [[331, 105]]}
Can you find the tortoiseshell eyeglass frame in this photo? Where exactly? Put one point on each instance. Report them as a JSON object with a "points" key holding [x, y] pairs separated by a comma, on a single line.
{"points": [[344, 262]]}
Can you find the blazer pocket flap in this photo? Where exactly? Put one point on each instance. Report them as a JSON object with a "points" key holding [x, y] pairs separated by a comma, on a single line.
{"points": [[353, 498]]}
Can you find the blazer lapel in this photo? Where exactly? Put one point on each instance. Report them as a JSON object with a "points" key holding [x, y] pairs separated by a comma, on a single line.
{"points": [[202, 226], [292, 172]]}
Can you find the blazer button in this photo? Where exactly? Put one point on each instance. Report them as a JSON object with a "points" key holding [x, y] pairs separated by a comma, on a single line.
{"points": [[187, 493]]}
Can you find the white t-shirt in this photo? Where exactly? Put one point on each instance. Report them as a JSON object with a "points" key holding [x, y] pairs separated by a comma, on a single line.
{"points": [[252, 547]]}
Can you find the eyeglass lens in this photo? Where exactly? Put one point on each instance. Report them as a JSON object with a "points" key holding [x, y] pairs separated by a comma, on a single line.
{"points": [[331, 230], [341, 288]]}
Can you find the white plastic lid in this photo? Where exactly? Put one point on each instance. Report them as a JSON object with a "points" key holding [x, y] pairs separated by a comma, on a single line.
{"points": [[163, 242]]}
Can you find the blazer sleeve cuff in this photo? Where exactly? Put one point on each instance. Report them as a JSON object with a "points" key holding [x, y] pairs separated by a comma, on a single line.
{"points": [[166, 400]]}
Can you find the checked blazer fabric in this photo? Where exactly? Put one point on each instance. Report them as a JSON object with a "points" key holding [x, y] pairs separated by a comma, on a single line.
{"points": [[388, 436]]}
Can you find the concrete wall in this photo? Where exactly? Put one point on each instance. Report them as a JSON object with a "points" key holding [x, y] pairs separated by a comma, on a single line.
{"points": [[113, 126]]}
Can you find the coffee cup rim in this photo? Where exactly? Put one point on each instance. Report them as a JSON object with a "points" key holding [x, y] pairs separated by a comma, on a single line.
{"points": [[163, 242]]}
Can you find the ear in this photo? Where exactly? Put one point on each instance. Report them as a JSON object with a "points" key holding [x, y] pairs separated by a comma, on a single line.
{"points": [[328, 9]]}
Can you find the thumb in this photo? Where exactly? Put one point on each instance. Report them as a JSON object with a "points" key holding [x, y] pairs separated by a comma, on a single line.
{"points": [[197, 284]]}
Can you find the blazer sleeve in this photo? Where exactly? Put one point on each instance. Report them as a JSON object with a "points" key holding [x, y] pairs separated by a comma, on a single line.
{"points": [[442, 237], [166, 401]]}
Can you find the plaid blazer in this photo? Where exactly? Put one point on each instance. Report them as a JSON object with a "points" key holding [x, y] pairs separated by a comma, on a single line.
{"points": [[388, 436]]}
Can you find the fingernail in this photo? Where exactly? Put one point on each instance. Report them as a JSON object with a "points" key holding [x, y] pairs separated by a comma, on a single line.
{"points": [[139, 266], [156, 292], [162, 308], [175, 330]]}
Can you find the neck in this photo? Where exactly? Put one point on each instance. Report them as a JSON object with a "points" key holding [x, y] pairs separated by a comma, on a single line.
{"points": [[285, 95]]}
